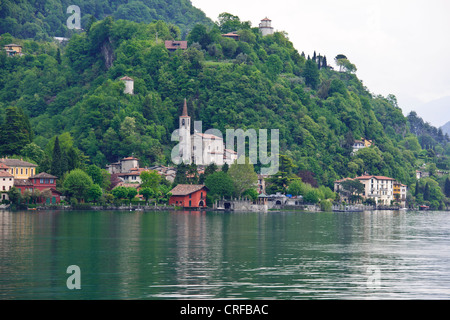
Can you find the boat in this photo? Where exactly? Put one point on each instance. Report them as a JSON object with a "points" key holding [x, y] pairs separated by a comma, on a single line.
{"points": [[424, 208]]}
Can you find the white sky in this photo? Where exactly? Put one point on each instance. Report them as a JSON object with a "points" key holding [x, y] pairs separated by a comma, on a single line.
{"points": [[399, 46]]}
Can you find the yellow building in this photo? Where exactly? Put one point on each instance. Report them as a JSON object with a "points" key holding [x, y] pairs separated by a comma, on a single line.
{"points": [[13, 49], [19, 169]]}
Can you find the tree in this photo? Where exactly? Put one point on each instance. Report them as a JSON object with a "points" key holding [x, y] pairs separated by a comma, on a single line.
{"points": [[16, 131], [57, 161], [243, 175], [132, 192], [120, 192], [33, 152], [426, 192], [146, 193], [94, 192], [352, 186], [77, 184], [311, 74], [150, 179], [220, 185]]}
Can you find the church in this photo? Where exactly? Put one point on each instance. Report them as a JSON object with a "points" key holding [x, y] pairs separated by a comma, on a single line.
{"points": [[201, 148]]}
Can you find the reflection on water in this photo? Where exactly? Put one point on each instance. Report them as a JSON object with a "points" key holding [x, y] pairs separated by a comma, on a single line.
{"points": [[198, 255]]}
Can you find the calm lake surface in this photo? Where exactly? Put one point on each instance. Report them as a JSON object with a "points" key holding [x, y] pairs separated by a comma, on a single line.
{"points": [[212, 255]]}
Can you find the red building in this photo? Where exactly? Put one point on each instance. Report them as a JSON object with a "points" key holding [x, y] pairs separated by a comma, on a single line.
{"points": [[42, 182], [189, 196]]}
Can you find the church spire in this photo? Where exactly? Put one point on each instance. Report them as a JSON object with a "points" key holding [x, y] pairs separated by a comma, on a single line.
{"points": [[185, 113]]}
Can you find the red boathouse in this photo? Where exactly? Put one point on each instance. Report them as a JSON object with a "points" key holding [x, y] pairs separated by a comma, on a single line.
{"points": [[189, 196]]}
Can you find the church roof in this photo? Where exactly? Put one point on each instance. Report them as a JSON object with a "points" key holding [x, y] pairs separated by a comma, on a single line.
{"points": [[185, 113]]}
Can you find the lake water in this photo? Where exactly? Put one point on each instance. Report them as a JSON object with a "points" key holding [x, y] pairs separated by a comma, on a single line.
{"points": [[212, 255]]}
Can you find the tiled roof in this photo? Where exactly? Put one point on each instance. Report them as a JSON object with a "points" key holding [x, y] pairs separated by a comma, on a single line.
{"points": [[22, 182], [5, 174], [375, 177], [173, 45], [43, 175], [17, 163], [126, 78], [3, 166], [185, 189]]}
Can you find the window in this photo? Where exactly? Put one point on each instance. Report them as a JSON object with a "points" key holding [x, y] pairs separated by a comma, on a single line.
{"points": [[201, 195], [4, 188], [31, 171], [189, 203], [51, 181], [41, 181], [46, 181], [26, 171], [17, 170], [34, 181], [21, 170], [190, 196]]}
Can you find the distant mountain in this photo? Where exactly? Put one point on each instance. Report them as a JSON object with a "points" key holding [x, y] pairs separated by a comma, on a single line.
{"points": [[446, 128], [436, 112], [29, 19]]}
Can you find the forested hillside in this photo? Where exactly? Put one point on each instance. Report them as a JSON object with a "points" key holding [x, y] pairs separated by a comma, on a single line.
{"points": [[40, 19], [75, 92]]}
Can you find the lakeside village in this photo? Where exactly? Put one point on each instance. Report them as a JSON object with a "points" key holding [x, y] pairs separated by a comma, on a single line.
{"points": [[130, 187], [215, 184]]}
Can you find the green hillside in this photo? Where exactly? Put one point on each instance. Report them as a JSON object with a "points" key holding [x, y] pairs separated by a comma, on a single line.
{"points": [[75, 92], [47, 18]]}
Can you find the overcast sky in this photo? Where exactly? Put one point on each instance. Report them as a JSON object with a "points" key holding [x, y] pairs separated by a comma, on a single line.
{"points": [[400, 47]]}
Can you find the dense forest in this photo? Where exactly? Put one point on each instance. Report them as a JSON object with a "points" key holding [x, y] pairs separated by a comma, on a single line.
{"points": [[41, 19], [73, 91]]}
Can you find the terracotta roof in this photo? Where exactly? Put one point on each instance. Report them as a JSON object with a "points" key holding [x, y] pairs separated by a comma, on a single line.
{"points": [[22, 182], [173, 45], [5, 174], [13, 45], [208, 136], [17, 163], [130, 158], [231, 151], [3, 166], [43, 175], [185, 189], [375, 177], [127, 78], [266, 19]]}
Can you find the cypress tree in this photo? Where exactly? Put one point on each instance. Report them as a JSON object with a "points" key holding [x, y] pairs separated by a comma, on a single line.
{"points": [[416, 191], [426, 192], [56, 166]]}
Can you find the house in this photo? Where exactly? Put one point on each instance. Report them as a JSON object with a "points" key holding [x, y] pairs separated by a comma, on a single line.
{"points": [[18, 168], [13, 50], [361, 144], [6, 183], [266, 27], [123, 166], [379, 188], [44, 181], [129, 85], [172, 45], [232, 35], [189, 196], [41, 182], [400, 193]]}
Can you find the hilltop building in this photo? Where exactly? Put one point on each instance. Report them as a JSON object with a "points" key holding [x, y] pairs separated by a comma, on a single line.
{"points": [[232, 35], [13, 50], [266, 26], [361, 144], [172, 45], [129, 85]]}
